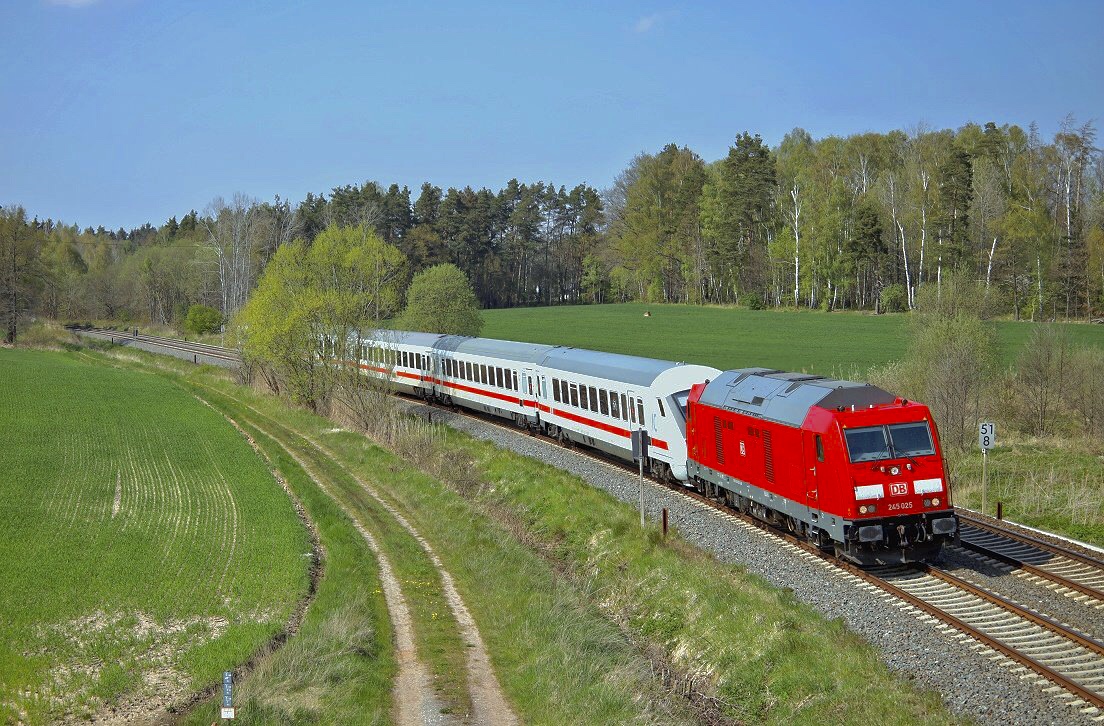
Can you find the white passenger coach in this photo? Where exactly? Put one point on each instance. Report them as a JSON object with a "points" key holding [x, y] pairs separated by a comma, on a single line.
{"points": [[577, 395]]}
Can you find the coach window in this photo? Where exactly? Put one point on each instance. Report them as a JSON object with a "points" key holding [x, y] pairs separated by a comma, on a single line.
{"points": [[631, 417], [498, 377], [603, 401], [593, 398], [556, 390], [640, 410], [574, 395], [614, 410]]}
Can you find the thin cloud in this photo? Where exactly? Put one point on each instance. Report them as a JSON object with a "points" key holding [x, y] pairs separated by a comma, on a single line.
{"points": [[646, 23]]}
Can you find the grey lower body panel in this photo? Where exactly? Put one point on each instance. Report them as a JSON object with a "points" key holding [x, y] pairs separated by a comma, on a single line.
{"points": [[830, 523]]}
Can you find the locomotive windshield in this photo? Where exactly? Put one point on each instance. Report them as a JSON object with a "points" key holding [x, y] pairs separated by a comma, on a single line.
{"points": [[874, 443], [867, 444], [911, 439]]}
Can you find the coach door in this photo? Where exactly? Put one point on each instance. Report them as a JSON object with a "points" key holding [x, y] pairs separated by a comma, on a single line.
{"points": [[813, 449], [529, 389]]}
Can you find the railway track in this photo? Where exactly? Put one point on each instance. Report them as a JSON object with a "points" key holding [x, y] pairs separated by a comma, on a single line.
{"points": [[1071, 661], [1069, 572], [225, 356]]}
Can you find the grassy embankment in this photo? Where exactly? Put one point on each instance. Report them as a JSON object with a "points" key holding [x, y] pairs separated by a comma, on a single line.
{"points": [[145, 547], [1056, 482], [548, 565]]}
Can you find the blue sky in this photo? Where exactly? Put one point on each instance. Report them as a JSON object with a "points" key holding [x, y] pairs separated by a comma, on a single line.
{"points": [[118, 112]]}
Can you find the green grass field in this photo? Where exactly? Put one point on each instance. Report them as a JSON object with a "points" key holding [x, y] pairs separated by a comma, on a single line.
{"points": [[813, 342], [146, 546]]}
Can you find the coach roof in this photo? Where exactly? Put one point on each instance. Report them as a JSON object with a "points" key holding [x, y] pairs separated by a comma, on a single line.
{"points": [[630, 369], [786, 397], [499, 349]]}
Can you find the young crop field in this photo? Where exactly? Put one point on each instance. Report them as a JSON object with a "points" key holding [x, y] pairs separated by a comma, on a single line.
{"points": [[146, 547], [841, 343]]}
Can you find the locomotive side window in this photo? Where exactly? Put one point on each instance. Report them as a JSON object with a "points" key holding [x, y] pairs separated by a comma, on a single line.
{"points": [[867, 444], [819, 448], [661, 413], [911, 439], [614, 410]]}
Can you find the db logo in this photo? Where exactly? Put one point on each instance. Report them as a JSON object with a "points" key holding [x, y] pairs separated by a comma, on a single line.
{"points": [[898, 489]]}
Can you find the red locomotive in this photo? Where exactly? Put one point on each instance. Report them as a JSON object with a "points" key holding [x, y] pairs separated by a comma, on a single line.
{"points": [[846, 464]]}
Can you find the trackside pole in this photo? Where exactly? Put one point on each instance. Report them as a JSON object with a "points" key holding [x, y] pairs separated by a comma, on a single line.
{"points": [[987, 437], [639, 439], [984, 477]]}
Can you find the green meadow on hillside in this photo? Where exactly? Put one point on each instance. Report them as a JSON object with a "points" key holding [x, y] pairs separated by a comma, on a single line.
{"points": [[146, 547], [840, 343]]}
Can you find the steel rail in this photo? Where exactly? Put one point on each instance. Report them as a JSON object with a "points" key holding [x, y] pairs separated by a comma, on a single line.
{"points": [[205, 349], [1009, 533], [1033, 569]]}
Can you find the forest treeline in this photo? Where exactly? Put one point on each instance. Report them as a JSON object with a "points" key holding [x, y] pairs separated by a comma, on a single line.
{"points": [[859, 222]]}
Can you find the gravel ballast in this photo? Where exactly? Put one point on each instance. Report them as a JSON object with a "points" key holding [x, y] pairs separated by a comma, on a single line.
{"points": [[974, 681]]}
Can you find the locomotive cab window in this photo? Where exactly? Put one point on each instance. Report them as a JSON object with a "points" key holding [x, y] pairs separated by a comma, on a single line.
{"points": [[867, 444], [911, 439]]}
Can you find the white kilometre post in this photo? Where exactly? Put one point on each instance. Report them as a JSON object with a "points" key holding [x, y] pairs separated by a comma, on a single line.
{"points": [[987, 437]]}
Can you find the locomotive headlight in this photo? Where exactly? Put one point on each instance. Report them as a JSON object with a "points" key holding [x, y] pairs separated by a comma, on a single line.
{"points": [[862, 509], [935, 502], [894, 470]]}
